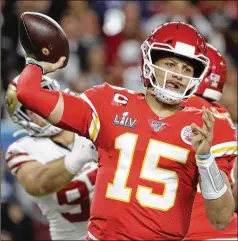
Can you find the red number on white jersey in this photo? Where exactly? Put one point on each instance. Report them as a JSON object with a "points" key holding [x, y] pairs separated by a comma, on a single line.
{"points": [[77, 194]]}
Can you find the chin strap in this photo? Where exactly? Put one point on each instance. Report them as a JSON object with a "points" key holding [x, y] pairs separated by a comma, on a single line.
{"points": [[165, 99]]}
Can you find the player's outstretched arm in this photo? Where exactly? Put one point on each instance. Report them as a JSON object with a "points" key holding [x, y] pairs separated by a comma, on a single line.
{"points": [[61, 109], [215, 187], [40, 180], [219, 210]]}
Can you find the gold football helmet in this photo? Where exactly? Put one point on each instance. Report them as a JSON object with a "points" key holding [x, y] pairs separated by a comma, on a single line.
{"points": [[11, 98], [18, 112]]}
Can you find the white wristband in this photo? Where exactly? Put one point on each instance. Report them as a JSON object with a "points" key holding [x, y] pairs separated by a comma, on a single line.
{"points": [[212, 183], [83, 151], [72, 164]]}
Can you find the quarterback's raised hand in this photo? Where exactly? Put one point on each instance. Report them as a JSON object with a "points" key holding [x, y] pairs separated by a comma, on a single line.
{"points": [[202, 136], [46, 67]]}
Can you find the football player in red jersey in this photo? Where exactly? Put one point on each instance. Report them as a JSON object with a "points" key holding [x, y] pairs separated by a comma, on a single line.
{"points": [[150, 150], [209, 92]]}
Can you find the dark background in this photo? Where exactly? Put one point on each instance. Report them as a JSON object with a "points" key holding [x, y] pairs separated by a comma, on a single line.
{"points": [[104, 38]]}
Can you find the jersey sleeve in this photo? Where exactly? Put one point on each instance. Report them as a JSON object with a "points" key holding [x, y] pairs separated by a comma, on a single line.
{"points": [[226, 165], [88, 123], [72, 113], [85, 113], [94, 98], [221, 112], [16, 157], [224, 146]]}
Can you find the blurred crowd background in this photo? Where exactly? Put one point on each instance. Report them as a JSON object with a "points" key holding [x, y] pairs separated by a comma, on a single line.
{"points": [[105, 38]]}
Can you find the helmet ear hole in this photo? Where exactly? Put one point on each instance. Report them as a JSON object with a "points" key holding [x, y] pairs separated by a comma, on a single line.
{"points": [[169, 41], [23, 109]]}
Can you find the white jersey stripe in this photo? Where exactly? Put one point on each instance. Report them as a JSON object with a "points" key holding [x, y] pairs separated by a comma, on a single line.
{"points": [[225, 144], [222, 239], [227, 148], [10, 156], [94, 127], [18, 160], [16, 167], [86, 99], [92, 236]]}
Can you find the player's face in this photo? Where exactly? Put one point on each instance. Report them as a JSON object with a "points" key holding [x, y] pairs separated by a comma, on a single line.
{"points": [[36, 119], [174, 82]]}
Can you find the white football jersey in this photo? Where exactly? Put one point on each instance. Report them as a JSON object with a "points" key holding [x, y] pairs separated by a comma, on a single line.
{"points": [[67, 210]]}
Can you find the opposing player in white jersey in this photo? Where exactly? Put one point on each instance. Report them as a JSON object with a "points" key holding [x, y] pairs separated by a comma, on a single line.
{"points": [[40, 163]]}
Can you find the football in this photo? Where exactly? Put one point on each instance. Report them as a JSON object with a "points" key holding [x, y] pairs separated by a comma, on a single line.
{"points": [[43, 38]]}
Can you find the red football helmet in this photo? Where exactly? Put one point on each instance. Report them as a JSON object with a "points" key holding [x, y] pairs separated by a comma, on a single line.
{"points": [[213, 83], [179, 39]]}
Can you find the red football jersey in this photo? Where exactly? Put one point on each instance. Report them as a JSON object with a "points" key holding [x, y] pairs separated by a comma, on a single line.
{"points": [[147, 176], [206, 230], [218, 110]]}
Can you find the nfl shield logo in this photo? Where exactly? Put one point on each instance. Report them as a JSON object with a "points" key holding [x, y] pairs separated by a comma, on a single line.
{"points": [[157, 126], [214, 78]]}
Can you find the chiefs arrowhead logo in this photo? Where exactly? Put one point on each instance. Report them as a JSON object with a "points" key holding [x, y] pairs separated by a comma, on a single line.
{"points": [[186, 135]]}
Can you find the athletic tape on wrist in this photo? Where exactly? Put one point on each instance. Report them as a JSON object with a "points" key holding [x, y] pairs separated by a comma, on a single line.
{"points": [[212, 183]]}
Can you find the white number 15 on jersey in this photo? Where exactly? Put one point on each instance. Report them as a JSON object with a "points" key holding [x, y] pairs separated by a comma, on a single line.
{"points": [[118, 190]]}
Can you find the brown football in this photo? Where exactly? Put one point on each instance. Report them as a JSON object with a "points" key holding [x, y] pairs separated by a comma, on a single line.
{"points": [[43, 38]]}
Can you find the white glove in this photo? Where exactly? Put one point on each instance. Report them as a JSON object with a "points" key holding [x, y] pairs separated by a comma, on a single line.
{"points": [[35, 62], [83, 151]]}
